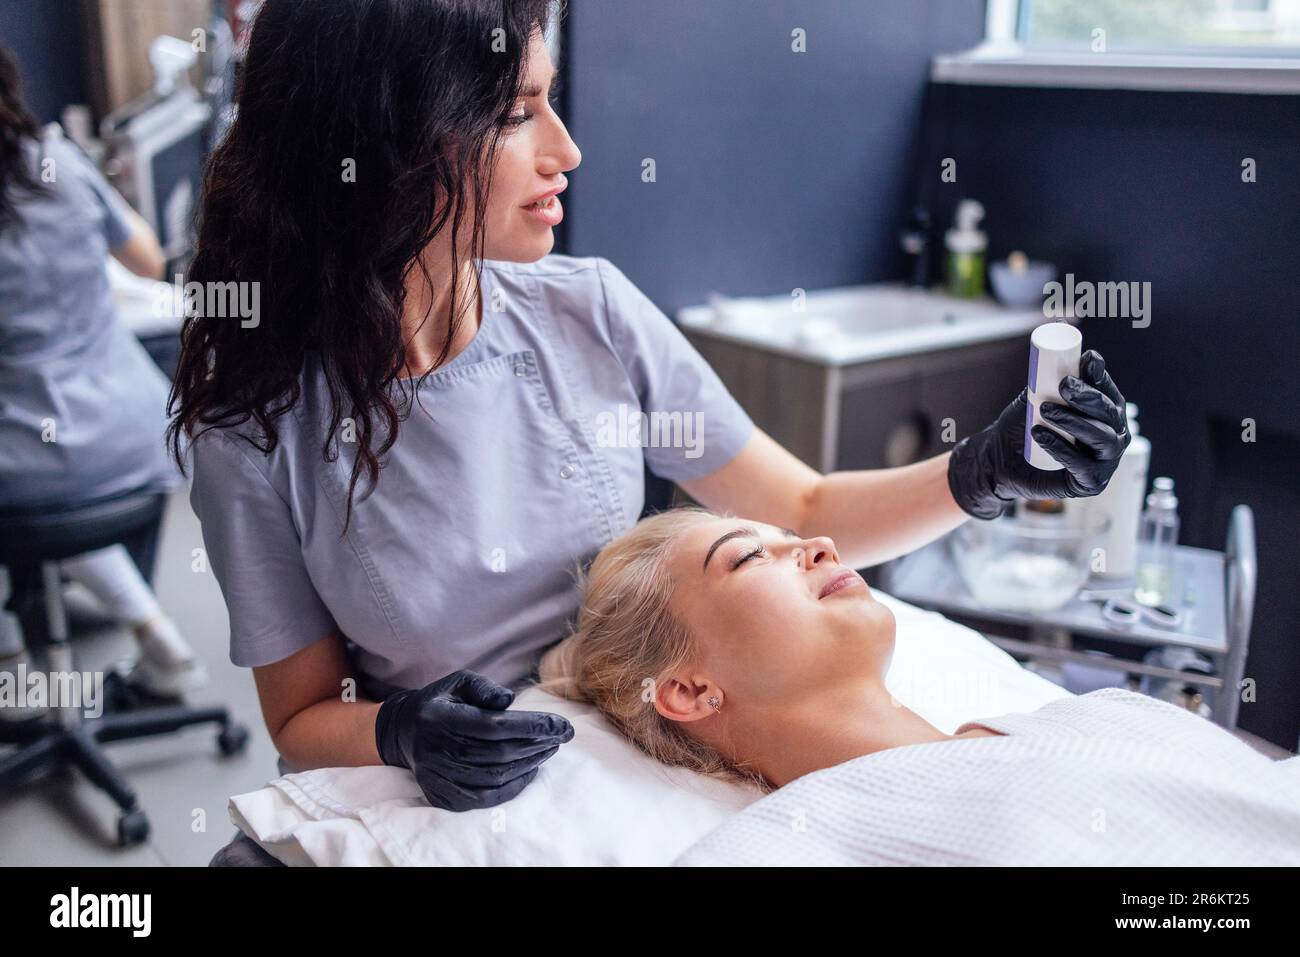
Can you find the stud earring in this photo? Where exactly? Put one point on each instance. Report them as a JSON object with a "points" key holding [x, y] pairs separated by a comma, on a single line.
{"points": [[714, 703]]}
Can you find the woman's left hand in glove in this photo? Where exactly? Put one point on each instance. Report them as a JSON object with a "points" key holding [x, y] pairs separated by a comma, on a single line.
{"points": [[987, 471]]}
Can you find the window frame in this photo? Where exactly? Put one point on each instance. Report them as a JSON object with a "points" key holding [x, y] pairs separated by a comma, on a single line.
{"points": [[1002, 60]]}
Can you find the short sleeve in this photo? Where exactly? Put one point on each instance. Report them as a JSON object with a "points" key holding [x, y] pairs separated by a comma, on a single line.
{"points": [[117, 219], [253, 547], [694, 424]]}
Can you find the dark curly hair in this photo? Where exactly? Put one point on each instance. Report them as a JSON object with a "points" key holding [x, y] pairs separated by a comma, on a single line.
{"points": [[16, 124], [417, 93]]}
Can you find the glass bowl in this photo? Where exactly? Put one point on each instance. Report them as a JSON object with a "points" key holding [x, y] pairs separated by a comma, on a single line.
{"points": [[1026, 562]]}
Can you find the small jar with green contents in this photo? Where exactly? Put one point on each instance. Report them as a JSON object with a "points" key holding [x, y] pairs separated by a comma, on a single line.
{"points": [[966, 247]]}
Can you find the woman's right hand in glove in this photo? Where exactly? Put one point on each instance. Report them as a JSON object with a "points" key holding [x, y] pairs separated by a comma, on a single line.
{"points": [[465, 749]]}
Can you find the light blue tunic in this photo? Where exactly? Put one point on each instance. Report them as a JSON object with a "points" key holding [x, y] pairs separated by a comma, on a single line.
{"points": [[82, 406], [527, 458]]}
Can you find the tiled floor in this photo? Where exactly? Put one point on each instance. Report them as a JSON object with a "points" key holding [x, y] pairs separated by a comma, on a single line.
{"points": [[181, 779]]}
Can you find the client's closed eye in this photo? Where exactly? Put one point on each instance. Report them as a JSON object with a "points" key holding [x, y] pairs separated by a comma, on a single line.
{"points": [[744, 531]]}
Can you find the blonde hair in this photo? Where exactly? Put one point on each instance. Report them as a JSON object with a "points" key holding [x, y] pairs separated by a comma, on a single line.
{"points": [[627, 640]]}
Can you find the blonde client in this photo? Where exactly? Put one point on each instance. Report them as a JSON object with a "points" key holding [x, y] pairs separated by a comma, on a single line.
{"points": [[742, 650]]}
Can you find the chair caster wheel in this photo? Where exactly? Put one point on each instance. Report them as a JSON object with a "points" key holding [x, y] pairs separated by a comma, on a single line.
{"points": [[232, 739], [132, 828]]}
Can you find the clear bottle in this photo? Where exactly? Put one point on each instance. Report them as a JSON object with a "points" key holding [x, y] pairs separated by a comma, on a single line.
{"points": [[1156, 545]]}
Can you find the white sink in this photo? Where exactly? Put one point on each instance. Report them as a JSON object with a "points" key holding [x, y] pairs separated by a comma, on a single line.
{"points": [[858, 323]]}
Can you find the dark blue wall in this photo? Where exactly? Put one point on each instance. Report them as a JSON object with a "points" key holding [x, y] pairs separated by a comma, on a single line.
{"points": [[46, 37], [1146, 186], [775, 169]]}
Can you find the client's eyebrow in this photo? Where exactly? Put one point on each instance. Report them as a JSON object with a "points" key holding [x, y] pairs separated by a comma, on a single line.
{"points": [[744, 531]]}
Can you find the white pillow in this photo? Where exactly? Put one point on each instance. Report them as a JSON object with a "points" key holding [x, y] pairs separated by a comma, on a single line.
{"points": [[599, 800]]}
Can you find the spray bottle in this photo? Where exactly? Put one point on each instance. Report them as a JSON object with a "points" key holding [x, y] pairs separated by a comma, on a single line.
{"points": [[966, 246]]}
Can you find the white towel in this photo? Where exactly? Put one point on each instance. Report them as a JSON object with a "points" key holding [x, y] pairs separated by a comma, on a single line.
{"points": [[1107, 778]]}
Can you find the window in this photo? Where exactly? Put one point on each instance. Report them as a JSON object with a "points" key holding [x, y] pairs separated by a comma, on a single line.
{"points": [[1231, 27], [1243, 46]]}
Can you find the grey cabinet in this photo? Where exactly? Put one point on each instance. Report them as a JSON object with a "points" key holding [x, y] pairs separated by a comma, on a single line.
{"points": [[873, 414]]}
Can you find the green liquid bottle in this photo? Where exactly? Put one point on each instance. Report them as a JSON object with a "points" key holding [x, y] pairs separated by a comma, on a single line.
{"points": [[966, 246]]}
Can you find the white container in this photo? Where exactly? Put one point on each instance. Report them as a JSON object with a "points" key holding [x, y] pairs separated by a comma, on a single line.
{"points": [[1053, 354], [1018, 282], [1121, 504]]}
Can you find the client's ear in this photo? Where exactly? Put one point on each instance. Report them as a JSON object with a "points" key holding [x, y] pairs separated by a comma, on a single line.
{"points": [[686, 697]]}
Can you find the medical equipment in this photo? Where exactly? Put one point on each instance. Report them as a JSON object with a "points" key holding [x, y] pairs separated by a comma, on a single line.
{"points": [[1217, 609], [156, 146], [220, 70], [1053, 355], [1156, 544]]}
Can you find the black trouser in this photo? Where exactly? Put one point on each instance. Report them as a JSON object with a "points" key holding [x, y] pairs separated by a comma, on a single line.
{"points": [[243, 851]]}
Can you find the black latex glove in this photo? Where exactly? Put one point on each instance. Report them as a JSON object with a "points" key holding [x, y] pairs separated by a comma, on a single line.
{"points": [[466, 749], [987, 471]]}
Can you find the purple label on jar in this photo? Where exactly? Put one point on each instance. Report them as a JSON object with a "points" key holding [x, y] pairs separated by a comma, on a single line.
{"points": [[1029, 405]]}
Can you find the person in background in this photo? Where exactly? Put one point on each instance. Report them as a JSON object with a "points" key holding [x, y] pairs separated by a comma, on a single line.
{"points": [[82, 406]]}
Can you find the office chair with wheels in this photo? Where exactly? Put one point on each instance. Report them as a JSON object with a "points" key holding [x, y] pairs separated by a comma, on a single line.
{"points": [[32, 542]]}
